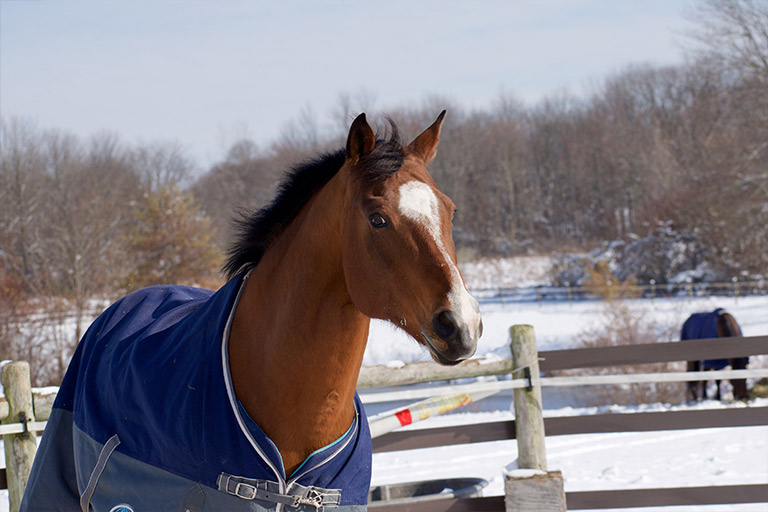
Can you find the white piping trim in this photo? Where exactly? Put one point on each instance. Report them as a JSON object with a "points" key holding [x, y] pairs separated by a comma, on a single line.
{"points": [[284, 486], [353, 434], [231, 391]]}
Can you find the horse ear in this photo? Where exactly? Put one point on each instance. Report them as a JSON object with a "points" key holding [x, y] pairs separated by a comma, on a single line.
{"points": [[361, 139], [425, 145]]}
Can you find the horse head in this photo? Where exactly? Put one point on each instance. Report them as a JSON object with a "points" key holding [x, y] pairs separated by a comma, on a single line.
{"points": [[399, 260]]}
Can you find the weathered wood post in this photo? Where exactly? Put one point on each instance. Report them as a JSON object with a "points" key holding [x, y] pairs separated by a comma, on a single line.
{"points": [[19, 448], [529, 422], [531, 488]]}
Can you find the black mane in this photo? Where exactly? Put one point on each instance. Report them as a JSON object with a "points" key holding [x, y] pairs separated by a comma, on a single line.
{"points": [[256, 230]]}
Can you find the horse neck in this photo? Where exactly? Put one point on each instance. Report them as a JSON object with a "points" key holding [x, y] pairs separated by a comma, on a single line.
{"points": [[297, 341]]}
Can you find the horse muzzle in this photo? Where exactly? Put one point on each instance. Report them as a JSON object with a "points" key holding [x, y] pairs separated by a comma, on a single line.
{"points": [[453, 338]]}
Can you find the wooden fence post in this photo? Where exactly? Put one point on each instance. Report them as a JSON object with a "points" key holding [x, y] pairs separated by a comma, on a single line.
{"points": [[537, 490], [19, 448], [529, 422]]}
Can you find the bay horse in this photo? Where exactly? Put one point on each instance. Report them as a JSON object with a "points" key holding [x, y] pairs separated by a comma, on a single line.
{"points": [[714, 324], [185, 399]]}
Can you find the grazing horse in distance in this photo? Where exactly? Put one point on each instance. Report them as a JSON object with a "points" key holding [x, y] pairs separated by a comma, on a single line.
{"points": [[715, 324], [182, 399]]}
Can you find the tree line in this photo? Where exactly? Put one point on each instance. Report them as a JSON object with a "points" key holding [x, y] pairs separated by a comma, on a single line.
{"points": [[682, 149], [81, 220]]}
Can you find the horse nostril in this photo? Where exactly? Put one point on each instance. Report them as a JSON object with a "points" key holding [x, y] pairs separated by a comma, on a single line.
{"points": [[445, 326], [480, 329]]}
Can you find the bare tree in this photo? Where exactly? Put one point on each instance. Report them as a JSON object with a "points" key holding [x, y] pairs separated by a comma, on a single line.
{"points": [[301, 135], [23, 203], [161, 164], [735, 31], [348, 106], [91, 192]]}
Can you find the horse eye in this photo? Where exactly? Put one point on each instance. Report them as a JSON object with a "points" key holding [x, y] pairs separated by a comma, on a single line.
{"points": [[377, 220]]}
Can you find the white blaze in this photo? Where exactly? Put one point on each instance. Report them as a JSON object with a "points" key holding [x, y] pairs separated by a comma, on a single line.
{"points": [[418, 202]]}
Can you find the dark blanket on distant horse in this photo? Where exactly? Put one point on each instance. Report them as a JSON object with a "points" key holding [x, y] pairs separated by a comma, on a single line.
{"points": [[147, 417], [701, 326], [715, 324]]}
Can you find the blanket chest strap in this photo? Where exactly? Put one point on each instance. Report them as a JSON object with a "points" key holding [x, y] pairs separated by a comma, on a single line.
{"points": [[265, 490]]}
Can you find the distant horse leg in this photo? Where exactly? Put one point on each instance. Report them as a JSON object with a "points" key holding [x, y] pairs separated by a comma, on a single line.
{"points": [[717, 390], [726, 328], [739, 385], [694, 387]]}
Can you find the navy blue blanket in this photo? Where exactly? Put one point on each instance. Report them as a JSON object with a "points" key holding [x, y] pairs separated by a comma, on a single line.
{"points": [[701, 326], [146, 416]]}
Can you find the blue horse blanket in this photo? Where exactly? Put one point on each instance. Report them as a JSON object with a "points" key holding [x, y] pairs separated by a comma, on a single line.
{"points": [[701, 326], [146, 419]]}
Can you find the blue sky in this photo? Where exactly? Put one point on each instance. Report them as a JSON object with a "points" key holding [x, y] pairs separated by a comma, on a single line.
{"points": [[205, 73]]}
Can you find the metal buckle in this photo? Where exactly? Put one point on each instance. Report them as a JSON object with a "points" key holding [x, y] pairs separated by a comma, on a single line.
{"points": [[313, 498], [251, 489]]}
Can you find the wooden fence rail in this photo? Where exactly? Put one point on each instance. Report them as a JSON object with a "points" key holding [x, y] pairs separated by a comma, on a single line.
{"points": [[646, 353], [596, 500], [568, 425], [567, 381], [550, 360]]}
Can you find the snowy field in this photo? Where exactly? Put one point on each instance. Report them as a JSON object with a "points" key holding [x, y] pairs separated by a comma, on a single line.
{"points": [[721, 456]]}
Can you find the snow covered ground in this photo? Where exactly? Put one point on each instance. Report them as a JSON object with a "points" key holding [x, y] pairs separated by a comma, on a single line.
{"points": [[720, 456]]}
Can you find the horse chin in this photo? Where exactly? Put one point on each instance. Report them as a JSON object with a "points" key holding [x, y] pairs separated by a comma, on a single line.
{"points": [[438, 357]]}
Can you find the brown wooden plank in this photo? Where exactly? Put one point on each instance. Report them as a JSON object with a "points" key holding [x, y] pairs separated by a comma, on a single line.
{"points": [[448, 436], [487, 504], [600, 423], [717, 348], [654, 421], [583, 500], [626, 498]]}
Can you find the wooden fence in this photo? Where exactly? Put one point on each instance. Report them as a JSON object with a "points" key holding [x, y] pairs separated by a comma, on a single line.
{"points": [[20, 421], [603, 423], [545, 293]]}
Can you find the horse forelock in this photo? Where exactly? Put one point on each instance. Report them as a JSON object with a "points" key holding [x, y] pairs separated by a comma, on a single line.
{"points": [[384, 161]]}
